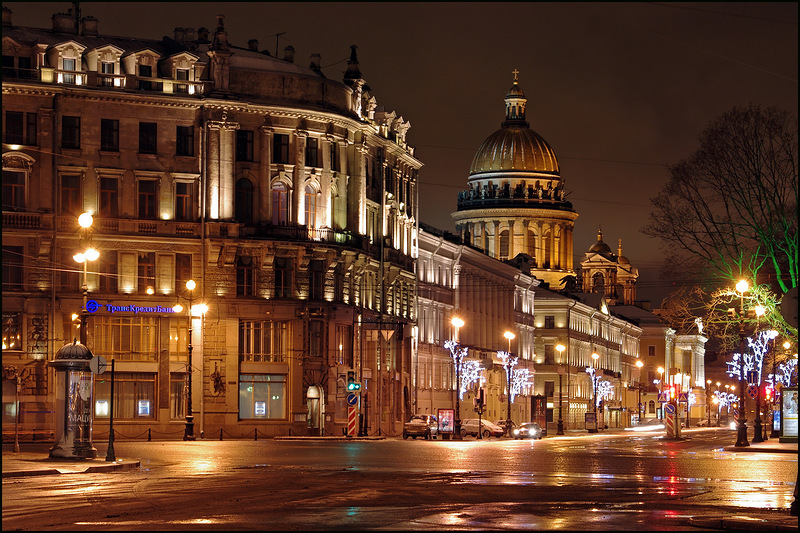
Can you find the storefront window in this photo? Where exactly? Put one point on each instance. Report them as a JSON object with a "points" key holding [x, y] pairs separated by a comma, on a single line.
{"points": [[262, 396], [134, 395]]}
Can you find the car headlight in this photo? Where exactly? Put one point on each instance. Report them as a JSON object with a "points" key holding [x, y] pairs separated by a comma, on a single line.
{"points": [[516, 432]]}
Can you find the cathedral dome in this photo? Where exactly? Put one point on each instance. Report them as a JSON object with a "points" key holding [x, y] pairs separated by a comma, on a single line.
{"points": [[600, 247], [515, 146]]}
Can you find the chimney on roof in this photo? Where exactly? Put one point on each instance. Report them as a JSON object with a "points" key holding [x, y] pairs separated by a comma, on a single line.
{"points": [[316, 59], [63, 23], [6, 16], [179, 34], [252, 44], [202, 35], [189, 35], [89, 26], [288, 54]]}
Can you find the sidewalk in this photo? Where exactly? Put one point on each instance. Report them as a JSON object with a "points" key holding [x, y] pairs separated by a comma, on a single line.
{"points": [[21, 464]]}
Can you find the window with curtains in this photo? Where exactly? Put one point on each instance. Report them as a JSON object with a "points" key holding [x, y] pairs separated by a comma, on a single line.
{"points": [[280, 204], [109, 197], [179, 338], [263, 341], [184, 201], [126, 338], [71, 194], [146, 267], [311, 207], [13, 190], [134, 395], [262, 396], [245, 276]]}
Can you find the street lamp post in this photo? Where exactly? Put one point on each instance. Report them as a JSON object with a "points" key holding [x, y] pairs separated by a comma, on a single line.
{"points": [[708, 403], [90, 254], [775, 433], [595, 357], [639, 365], [457, 359], [188, 432], [560, 430], [716, 401], [509, 369], [661, 390], [741, 435]]}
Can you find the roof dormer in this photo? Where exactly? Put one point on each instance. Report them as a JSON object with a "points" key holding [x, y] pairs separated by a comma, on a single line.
{"points": [[66, 61], [180, 69], [142, 65], [104, 61]]}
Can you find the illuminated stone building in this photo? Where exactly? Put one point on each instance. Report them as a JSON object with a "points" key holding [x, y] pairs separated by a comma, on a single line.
{"points": [[612, 275], [288, 197]]}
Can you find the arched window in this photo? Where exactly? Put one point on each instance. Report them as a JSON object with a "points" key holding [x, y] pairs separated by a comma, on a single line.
{"points": [[280, 204], [244, 201], [651, 407], [311, 206], [597, 282], [503, 245]]}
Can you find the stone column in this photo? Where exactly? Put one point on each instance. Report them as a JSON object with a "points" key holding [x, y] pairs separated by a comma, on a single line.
{"points": [[212, 178], [511, 247], [298, 177], [264, 176], [227, 156]]}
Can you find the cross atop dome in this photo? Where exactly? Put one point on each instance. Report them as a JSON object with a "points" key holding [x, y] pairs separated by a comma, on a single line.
{"points": [[515, 72]]}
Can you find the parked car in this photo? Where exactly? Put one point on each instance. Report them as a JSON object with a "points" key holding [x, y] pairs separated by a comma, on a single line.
{"points": [[469, 426], [528, 430], [502, 424], [426, 426]]}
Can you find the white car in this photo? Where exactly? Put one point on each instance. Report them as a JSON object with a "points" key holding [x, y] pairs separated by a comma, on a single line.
{"points": [[469, 426], [425, 426]]}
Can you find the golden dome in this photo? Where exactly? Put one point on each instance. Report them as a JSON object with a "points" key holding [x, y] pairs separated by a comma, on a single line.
{"points": [[514, 148]]}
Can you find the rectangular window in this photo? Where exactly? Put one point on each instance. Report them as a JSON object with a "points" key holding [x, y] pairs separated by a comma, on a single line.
{"points": [[344, 345], [147, 199], [12, 328], [69, 67], [651, 350], [262, 396], [182, 74], [25, 70], [70, 195], [335, 157], [549, 354], [316, 280], [549, 322], [178, 388], [31, 129], [148, 138], [107, 69], [549, 388], [263, 341], [179, 339], [316, 338], [12, 269], [109, 135], [8, 67], [184, 141], [107, 266], [147, 272], [145, 71], [245, 277], [109, 197], [13, 190], [134, 395], [244, 145], [71, 280], [70, 132], [126, 338], [15, 127], [183, 201], [280, 148], [183, 270], [312, 152], [284, 280]]}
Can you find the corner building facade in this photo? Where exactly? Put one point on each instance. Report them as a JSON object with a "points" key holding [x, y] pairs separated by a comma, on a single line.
{"points": [[288, 197]]}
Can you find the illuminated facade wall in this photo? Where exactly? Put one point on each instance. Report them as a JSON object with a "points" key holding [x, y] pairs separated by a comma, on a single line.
{"points": [[280, 191]]}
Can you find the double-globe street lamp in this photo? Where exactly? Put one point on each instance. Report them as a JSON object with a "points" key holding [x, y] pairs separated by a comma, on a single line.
{"points": [[741, 435], [458, 356], [89, 254], [188, 432], [639, 365], [560, 348]]}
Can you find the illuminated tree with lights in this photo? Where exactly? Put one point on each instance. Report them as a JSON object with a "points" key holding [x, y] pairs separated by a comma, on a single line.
{"points": [[604, 388], [470, 373], [754, 359], [520, 378]]}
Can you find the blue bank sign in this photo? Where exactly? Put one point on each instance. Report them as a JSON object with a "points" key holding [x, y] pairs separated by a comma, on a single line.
{"points": [[92, 306]]}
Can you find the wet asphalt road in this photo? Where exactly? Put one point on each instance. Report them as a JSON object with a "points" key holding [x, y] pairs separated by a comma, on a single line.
{"points": [[601, 482]]}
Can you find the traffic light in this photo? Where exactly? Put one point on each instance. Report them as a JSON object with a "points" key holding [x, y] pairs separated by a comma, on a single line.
{"points": [[673, 393], [352, 384], [767, 393]]}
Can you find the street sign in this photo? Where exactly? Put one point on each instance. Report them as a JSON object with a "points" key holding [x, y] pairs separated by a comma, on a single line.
{"points": [[752, 391], [752, 377], [683, 397], [663, 397], [351, 421], [735, 413], [98, 364], [352, 399], [670, 408]]}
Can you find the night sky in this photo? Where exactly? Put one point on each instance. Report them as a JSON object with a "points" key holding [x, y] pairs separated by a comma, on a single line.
{"points": [[619, 90]]}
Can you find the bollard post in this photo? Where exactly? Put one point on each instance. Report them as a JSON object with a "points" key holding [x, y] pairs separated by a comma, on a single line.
{"points": [[220, 433], [255, 434], [34, 434], [148, 435]]}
